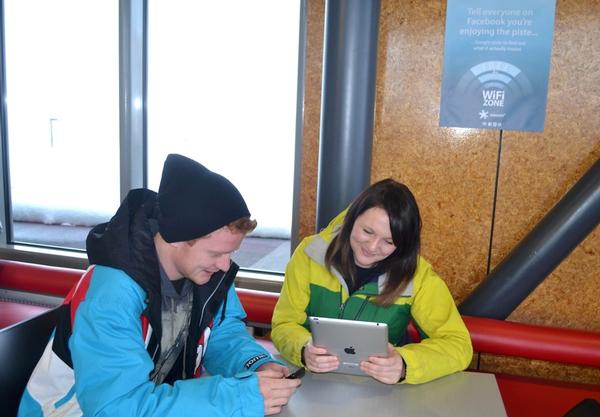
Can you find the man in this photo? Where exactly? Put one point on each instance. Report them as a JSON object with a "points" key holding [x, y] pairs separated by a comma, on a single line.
{"points": [[157, 307]]}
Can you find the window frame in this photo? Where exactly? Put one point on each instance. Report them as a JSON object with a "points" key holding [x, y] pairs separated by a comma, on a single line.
{"points": [[133, 141]]}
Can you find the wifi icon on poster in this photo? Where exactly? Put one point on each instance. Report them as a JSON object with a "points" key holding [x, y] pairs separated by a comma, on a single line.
{"points": [[490, 95], [495, 75]]}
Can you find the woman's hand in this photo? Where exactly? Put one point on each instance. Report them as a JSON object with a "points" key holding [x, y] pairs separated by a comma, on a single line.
{"points": [[388, 370], [318, 359]]}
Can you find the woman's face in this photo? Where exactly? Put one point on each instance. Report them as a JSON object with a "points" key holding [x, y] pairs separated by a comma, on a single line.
{"points": [[371, 237]]}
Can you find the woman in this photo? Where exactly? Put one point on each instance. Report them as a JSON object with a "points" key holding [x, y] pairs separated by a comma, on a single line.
{"points": [[366, 266]]}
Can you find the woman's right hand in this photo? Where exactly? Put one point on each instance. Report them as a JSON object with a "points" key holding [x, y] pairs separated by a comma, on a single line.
{"points": [[318, 359]]}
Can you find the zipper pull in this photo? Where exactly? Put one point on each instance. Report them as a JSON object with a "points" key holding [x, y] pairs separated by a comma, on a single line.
{"points": [[342, 303]]}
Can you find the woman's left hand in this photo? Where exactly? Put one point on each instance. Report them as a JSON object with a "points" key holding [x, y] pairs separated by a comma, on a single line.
{"points": [[388, 369]]}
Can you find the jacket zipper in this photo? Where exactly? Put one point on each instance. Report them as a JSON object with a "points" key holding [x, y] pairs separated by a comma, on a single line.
{"points": [[200, 322], [343, 306]]}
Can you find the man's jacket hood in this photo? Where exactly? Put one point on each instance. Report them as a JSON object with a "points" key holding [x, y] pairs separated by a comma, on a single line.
{"points": [[126, 242]]}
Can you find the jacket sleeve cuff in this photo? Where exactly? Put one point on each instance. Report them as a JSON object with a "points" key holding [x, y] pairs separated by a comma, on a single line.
{"points": [[255, 362], [403, 375], [250, 395]]}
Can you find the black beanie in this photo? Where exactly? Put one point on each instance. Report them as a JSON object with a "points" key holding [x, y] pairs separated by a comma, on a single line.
{"points": [[194, 201]]}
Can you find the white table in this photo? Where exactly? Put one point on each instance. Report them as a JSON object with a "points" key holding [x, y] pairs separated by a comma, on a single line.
{"points": [[464, 394]]}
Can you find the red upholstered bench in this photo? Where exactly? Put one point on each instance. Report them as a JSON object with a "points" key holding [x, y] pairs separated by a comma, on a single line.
{"points": [[40, 279], [12, 312], [22, 277], [533, 397], [527, 397]]}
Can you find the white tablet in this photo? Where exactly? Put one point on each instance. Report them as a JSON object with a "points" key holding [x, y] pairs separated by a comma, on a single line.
{"points": [[350, 340]]}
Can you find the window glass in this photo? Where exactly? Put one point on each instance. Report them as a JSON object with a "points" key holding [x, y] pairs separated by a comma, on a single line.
{"points": [[63, 112], [222, 79]]}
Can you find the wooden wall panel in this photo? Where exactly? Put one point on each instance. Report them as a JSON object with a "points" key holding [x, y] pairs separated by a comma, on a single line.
{"points": [[452, 172], [312, 117]]}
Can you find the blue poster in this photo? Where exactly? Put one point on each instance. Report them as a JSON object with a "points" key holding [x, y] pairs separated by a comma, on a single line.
{"points": [[496, 64]]}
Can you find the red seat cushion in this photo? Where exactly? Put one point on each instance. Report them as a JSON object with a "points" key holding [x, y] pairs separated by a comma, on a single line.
{"points": [[533, 397], [12, 312]]}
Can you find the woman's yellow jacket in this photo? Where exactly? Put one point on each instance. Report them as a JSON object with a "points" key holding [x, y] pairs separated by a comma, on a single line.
{"points": [[310, 289]]}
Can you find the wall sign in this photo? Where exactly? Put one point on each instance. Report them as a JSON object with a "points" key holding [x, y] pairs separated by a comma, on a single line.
{"points": [[496, 64]]}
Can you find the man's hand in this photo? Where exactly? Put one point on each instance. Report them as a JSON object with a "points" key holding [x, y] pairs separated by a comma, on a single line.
{"points": [[283, 370], [318, 359], [275, 389], [388, 369]]}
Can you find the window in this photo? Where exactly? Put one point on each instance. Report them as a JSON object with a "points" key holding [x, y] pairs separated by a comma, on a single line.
{"points": [[63, 117], [222, 80], [221, 88]]}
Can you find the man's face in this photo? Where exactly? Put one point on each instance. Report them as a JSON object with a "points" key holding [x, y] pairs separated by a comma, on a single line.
{"points": [[200, 258]]}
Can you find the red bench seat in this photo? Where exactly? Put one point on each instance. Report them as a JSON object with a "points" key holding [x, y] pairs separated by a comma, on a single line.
{"points": [[13, 312]]}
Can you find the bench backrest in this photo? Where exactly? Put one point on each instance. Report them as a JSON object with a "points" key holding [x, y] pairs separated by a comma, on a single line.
{"points": [[22, 346], [488, 335]]}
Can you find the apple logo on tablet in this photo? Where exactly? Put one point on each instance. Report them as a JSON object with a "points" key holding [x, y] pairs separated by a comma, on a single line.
{"points": [[350, 350]]}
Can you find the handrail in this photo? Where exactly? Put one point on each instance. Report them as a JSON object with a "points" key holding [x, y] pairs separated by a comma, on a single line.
{"points": [[555, 344]]}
